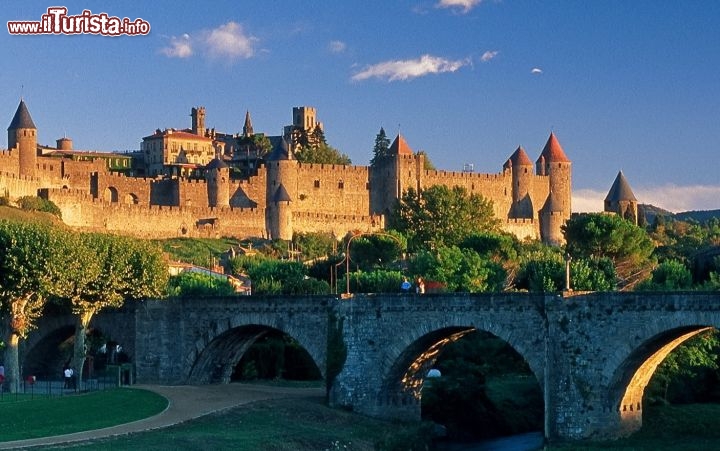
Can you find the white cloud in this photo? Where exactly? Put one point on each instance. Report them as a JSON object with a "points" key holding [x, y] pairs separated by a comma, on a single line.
{"points": [[180, 47], [229, 41], [487, 56], [669, 197], [226, 41], [536, 71], [408, 69], [336, 46], [465, 5]]}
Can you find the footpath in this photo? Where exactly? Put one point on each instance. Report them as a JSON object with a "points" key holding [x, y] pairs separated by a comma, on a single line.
{"points": [[186, 402]]}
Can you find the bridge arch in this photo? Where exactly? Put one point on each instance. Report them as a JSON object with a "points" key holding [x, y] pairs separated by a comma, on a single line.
{"points": [[215, 356], [634, 372]]}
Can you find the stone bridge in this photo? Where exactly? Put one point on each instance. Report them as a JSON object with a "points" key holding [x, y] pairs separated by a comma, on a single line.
{"points": [[592, 354]]}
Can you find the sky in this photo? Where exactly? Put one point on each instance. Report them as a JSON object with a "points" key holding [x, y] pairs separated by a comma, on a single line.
{"points": [[624, 85]]}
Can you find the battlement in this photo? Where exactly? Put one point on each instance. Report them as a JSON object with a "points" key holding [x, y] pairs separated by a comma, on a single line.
{"points": [[519, 221], [334, 216], [332, 167], [463, 175]]}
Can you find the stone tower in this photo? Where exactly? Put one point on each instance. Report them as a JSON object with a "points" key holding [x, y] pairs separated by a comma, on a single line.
{"points": [[198, 120], [22, 137], [552, 217], [247, 126], [393, 175], [554, 164], [282, 175], [217, 176], [621, 200], [522, 175]]}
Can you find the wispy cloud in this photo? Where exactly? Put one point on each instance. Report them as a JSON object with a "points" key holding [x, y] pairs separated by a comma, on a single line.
{"points": [[487, 56], [228, 41], [669, 197], [464, 5], [180, 47], [536, 71], [337, 46], [409, 69]]}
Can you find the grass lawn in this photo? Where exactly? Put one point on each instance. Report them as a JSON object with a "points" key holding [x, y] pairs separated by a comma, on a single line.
{"points": [[24, 418], [278, 425]]}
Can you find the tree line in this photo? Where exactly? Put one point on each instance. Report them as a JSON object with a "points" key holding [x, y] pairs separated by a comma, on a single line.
{"points": [[83, 273]]}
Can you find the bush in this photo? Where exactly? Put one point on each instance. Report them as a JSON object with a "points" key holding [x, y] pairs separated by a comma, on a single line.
{"points": [[34, 203], [198, 284]]}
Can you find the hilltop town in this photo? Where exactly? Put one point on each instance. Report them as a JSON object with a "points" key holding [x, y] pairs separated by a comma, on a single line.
{"points": [[197, 182]]}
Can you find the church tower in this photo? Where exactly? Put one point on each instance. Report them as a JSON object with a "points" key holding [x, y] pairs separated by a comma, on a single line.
{"points": [[22, 137], [247, 127], [621, 200], [198, 120]]}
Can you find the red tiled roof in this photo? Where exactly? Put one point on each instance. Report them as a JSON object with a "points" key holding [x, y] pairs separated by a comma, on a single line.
{"points": [[179, 134], [518, 158], [400, 147], [553, 151]]}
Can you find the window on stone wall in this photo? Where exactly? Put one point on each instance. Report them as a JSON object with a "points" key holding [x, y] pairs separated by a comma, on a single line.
{"points": [[341, 184], [367, 185], [316, 184]]}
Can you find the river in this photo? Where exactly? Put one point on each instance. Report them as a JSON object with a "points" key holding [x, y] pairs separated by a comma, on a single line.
{"points": [[531, 441]]}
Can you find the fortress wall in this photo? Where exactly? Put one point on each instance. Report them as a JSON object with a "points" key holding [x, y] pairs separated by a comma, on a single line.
{"points": [[522, 228], [192, 192], [16, 186], [342, 190], [249, 193], [50, 170], [539, 191], [76, 174], [125, 187], [81, 210], [494, 187], [337, 224]]}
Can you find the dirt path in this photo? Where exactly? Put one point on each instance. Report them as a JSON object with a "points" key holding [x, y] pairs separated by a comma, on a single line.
{"points": [[186, 402]]}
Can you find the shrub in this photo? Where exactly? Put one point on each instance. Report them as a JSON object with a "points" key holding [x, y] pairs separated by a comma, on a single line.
{"points": [[34, 203]]}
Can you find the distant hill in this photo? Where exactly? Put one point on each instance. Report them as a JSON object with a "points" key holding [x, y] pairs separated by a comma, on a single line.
{"points": [[652, 211]]}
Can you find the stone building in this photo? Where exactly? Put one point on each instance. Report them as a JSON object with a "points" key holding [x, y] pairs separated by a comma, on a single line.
{"points": [[190, 190]]}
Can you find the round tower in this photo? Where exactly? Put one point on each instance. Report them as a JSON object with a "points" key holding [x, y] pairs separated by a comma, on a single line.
{"points": [[552, 218], [281, 191], [521, 168], [217, 176], [64, 143], [621, 200], [22, 137], [554, 164]]}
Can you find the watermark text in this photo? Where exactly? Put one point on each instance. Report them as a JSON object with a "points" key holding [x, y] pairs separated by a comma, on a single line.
{"points": [[57, 21]]}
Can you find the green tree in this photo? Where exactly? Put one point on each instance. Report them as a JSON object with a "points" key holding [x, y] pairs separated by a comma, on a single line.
{"points": [[28, 268], [670, 275], [376, 250], [597, 235], [270, 276], [440, 216], [103, 271], [199, 284], [381, 150], [258, 143], [459, 269], [322, 154]]}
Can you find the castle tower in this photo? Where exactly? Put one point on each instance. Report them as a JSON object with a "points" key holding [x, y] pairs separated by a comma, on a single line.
{"points": [[522, 174], [554, 164], [217, 176], [22, 137], [247, 127], [393, 175], [198, 120], [552, 217], [621, 200], [64, 143], [282, 175]]}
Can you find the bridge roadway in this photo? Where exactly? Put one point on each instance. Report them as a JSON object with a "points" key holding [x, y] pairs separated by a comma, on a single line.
{"points": [[592, 354]]}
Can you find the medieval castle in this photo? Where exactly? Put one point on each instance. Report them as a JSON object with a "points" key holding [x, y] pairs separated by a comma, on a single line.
{"points": [[187, 183]]}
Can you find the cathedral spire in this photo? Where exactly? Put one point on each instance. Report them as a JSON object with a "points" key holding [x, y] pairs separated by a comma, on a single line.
{"points": [[248, 128]]}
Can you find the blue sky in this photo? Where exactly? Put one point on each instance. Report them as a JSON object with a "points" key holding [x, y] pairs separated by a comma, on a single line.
{"points": [[625, 85]]}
